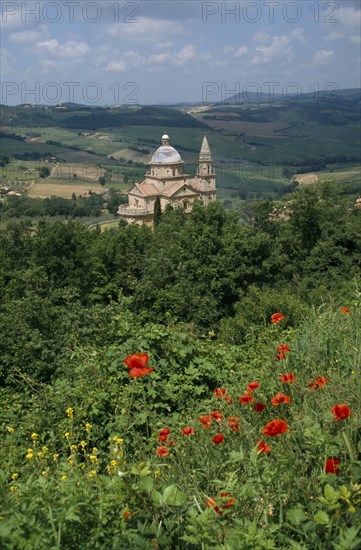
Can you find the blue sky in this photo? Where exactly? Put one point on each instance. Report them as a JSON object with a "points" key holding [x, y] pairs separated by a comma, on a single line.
{"points": [[108, 52]]}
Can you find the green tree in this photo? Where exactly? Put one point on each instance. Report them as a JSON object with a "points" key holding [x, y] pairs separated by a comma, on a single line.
{"points": [[44, 172], [157, 211]]}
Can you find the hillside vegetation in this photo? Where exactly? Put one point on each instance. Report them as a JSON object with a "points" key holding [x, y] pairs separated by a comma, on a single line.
{"points": [[257, 146], [234, 422]]}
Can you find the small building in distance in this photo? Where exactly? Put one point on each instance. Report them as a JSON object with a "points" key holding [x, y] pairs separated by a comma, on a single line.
{"points": [[166, 180]]}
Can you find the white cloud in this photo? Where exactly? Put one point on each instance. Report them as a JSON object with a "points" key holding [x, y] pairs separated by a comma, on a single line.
{"points": [[243, 50], [298, 34], [276, 48], [186, 54], [355, 39], [23, 37], [323, 57], [69, 50], [116, 66], [232, 51], [5, 61], [279, 49], [333, 36], [146, 29], [261, 37], [348, 16]]}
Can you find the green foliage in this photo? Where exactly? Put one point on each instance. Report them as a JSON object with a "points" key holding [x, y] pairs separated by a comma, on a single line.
{"points": [[44, 172], [80, 459]]}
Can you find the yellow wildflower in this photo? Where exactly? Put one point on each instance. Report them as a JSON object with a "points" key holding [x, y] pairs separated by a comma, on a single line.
{"points": [[92, 473], [10, 430], [45, 449], [156, 473], [44, 473], [55, 457], [14, 477], [113, 463], [88, 427], [69, 412], [83, 443], [70, 461], [13, 489], [67, 435], [29, 456], [34, 436], [40, 455], [93, 459], [73, 448], [118, 440], [95, 451], [64, 477]]}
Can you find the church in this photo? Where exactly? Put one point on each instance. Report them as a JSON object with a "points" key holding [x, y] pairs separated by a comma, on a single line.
{"points": [[165, 179]]}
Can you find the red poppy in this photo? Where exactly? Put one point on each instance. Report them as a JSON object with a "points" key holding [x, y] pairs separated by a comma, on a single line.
{"points": [[162, 451], [277, 318], [288, 378], [218, 439], [229, 502], [187, 431], [137, 365], [211, 503], [126, 515], [283, 349], [137, 360], [341, 412], [263, 447], [332, 466], [205, 421], [345, 310], [233, 423], [322, 381], [228, 399], [217, 416], [252, 386], [280, 398], [138, 373], [275, 427], [220, 392], [163, 434], [170, 442], [259, 407], [246, 398]]}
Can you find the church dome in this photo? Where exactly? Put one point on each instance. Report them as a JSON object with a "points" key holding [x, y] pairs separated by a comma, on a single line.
{"points": [[165, 154]]}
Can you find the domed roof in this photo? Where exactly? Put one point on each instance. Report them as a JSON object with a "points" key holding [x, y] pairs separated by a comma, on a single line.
{"points": [[165, 154]]}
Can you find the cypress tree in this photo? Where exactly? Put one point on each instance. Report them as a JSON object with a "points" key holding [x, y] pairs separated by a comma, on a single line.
{"points": [[157, 211]]}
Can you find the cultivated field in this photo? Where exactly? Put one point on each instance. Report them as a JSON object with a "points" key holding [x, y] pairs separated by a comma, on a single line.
{"points": [[43, 190], [77, 171]]}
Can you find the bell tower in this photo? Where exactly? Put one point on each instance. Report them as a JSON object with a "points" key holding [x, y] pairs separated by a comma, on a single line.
{"points": [[206, 173]]}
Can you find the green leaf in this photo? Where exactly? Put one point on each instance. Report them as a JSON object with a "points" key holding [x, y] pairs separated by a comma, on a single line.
{"points": [[321, 518], [174, 496], [295, 516], [331, 494], [157, 498], [146, 483]]}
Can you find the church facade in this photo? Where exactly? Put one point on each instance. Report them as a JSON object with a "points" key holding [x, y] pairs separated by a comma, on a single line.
{"points": [[165, 179]]}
